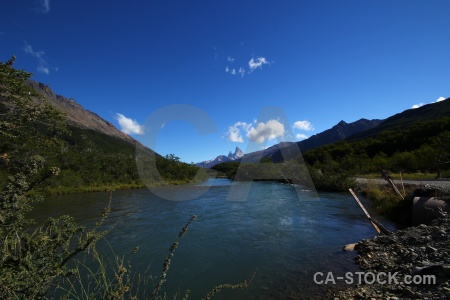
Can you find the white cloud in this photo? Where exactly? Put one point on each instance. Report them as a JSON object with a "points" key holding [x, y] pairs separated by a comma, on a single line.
{"points": [[422, 104], [303, 125], [44, 6], [234, 132], [241, 71], [128, 125], [266, 131], [234, 135], [40, 55], [301, 136], [258, 63], [231, 71], [43, 69], [418, 105], [253, 64]]}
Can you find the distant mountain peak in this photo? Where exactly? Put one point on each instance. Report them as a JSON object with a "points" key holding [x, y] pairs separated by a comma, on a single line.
{"points": [[221, 158], [237, 154]]}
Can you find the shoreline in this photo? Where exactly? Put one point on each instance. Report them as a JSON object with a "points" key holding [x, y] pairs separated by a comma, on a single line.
{"points": [[105, 188], [416, 252], [442, 183]]}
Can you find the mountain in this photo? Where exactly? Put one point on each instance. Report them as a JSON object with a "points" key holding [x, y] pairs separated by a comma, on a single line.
{"points": [[91, 154], [407, 118], [338, 132], [221, 158], [267, 153], [78, 116]]}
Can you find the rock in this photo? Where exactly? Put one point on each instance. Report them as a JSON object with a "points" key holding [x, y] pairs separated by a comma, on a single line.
{"points": [[422, 250], [350, 247]]}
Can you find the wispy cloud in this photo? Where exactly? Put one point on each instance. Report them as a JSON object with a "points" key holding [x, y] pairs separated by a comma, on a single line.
{"points": [[129, 126], [43, 6], [303, 125], [266, 131], [418, 105], [232, 71], [216, 52], [258, 63], [440, 99], [40, 55], [252, 65]]}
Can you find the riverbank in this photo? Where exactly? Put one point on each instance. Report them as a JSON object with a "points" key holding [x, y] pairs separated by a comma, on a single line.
{"points": [[106, 188], [419, 253], [419, 183]]}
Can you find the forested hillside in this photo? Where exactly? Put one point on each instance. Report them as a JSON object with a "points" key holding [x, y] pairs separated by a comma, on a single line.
{"points": [[422, 146], [87, 159], [414, 141]]}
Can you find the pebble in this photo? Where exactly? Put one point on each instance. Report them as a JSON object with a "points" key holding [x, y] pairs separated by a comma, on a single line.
{"points": [[424, 248]]}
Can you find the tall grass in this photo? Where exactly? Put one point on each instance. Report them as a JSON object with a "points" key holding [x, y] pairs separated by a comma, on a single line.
{"points": [[98, 275], [388, 203]]}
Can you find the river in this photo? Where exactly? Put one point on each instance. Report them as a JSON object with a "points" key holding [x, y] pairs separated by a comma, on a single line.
{"points": [[281, 236]]}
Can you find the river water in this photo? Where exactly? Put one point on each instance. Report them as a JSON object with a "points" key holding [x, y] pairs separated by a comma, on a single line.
{"points": [[281, 236]]}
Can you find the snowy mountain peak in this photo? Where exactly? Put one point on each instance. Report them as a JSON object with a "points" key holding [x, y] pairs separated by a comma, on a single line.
{"points": [[237, 154], [221, 158]]}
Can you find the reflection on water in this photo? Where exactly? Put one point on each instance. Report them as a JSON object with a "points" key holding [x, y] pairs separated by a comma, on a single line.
{"points": [[282, 238]]}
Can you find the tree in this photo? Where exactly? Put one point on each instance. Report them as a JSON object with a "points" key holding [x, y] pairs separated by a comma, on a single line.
{"points": [[31, 261], [441, 146]]}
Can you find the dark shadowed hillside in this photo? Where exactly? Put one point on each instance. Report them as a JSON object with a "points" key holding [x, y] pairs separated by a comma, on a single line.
{"points": [[407, 118], [338, 132]]}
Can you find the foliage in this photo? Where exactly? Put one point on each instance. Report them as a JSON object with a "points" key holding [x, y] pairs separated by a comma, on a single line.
{"points": [[421, 147], [336, 181], [388, 203], [31, 261], [37, 261], [328, 177], [226, 169], [173, 170], [166, 264], [88, 160]]}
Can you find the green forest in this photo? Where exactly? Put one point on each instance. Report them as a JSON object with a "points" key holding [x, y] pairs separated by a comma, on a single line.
{"points": [[86, 160], [422, 147], [39, 152]]}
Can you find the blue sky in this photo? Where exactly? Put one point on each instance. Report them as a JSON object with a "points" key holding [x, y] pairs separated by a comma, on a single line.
{"points": [[319, 62]]}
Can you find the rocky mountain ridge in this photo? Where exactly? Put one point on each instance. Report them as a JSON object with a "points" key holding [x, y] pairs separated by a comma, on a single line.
{"points": [[338, 132], [77, 115], [221, 158], [278, 152], [286, 150]]}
